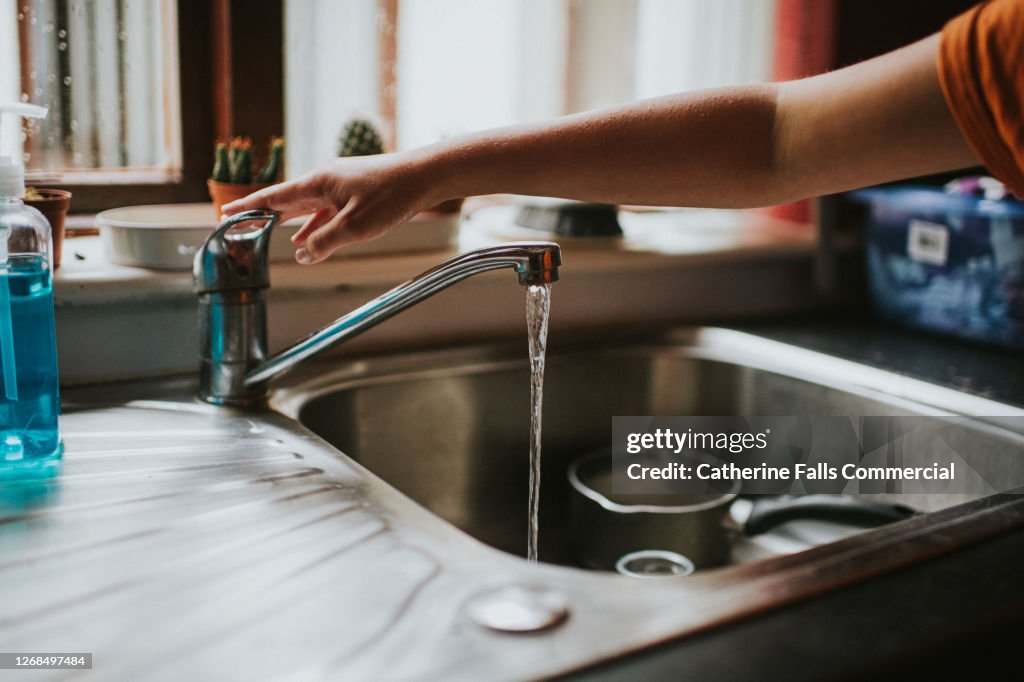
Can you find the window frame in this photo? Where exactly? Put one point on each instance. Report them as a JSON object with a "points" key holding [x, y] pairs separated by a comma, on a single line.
{"points": [[215, 74]]}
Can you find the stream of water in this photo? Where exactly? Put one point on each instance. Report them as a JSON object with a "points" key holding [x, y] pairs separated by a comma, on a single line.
{"points": [[538, 308]]}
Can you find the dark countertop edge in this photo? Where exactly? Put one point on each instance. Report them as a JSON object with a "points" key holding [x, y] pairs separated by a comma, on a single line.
{"points": [[958, 616], [986, 371]]}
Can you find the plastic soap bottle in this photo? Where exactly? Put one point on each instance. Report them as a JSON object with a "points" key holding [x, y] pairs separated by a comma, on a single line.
{"points": [[29, 400]]}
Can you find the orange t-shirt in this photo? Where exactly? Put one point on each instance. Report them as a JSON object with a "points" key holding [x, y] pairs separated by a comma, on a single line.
{"points": [[981, 67]]}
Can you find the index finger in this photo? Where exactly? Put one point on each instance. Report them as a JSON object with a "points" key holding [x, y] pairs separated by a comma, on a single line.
{"points": [[291, 199]]}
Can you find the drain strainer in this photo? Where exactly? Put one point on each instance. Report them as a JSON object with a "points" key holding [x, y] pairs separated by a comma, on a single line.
{"points": [[654, 563], [517, 608]]}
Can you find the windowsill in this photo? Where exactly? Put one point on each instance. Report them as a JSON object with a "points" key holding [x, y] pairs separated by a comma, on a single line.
{"points": [[125, 176], [86, 277]]}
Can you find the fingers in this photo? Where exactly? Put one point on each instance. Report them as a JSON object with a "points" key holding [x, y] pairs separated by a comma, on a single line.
{"points": [[323, 241], [291, 199], [312, 223]]}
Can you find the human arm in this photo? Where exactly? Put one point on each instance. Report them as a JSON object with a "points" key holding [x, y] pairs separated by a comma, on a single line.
{"points": [[731, 147]]}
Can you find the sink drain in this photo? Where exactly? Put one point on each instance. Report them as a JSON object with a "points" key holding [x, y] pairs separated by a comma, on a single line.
{"points": [[654, 563], [517, 608]]}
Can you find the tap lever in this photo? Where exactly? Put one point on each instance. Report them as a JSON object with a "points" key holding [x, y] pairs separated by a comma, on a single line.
{"points": [[235, 260]]}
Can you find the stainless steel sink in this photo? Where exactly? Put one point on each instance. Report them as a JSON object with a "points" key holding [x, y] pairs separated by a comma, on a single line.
{"points": [[450, 428], [235, 544]]}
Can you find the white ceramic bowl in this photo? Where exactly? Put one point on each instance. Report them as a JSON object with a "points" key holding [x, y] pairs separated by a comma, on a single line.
{"points": [[166, 236]]}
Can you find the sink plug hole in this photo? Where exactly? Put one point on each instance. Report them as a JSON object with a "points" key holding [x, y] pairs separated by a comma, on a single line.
{"points": [[517, 609], [654, 563]]}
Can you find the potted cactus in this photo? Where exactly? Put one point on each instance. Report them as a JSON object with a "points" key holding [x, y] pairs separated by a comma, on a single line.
{"points": [[360, 137], [233, 176]]}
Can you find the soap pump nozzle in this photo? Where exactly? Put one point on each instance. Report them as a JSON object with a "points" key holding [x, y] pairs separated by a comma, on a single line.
{"points": [[12, 171]]}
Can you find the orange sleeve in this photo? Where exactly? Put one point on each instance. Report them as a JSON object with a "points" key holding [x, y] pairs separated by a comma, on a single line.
{"points": [[981, 68]]}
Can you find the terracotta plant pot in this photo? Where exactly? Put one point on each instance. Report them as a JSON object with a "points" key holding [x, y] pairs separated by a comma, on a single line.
{"points": [[53, 204], [226, 192]]}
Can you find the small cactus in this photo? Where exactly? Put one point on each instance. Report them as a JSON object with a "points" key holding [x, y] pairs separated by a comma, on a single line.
{"points": [[233, 162], [241, 160], [360, 138], [221, 166], [275, 161]]}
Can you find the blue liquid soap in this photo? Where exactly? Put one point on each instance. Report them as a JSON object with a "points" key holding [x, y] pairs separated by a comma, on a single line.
{"points": [[29, 403], [29, 438]]}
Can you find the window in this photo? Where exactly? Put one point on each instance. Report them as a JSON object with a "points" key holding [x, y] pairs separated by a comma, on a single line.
{"points": [[136, 103], [130, 98], [457, 65], [107, 71]]}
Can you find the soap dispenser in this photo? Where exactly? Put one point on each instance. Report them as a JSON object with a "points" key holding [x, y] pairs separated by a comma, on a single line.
{"points": [[29, 399]]}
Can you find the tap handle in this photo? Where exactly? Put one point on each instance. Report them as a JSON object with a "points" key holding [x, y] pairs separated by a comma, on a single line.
{"points": [[234, 260]]}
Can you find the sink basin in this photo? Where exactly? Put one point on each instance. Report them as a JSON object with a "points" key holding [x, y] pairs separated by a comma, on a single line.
{"points": [[239, 545], [449, 428]]}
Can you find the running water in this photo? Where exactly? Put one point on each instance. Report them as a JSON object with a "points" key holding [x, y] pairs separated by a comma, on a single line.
{"points": [[538, 307]]}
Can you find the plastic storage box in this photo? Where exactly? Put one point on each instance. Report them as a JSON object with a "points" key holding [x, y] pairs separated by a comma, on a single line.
{"points": [[947, 263]]}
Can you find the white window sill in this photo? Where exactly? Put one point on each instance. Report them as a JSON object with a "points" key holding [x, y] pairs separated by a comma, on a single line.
{"points": [[86, 277]]}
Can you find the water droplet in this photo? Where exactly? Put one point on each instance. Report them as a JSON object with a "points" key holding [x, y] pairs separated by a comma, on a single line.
{"points": [[32, 74], [62, 46], [21, 16], [51, 78], [24, 97], [122, 36], [62, 33], [67, 80], [48, 28], [26, 157], [33, 21]]}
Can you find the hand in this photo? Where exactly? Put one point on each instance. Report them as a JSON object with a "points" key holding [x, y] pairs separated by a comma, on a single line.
{"points": [[350, 200]]}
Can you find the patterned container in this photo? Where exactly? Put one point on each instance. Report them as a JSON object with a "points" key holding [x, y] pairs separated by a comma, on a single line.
{"points": [[948, 263]]}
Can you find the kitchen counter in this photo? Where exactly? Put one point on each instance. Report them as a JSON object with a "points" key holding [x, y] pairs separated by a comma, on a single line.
{"points": [[184, 541], [986, 371]]}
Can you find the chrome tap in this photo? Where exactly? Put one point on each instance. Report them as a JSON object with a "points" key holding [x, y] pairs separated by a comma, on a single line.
{"points": [[231, 271]]}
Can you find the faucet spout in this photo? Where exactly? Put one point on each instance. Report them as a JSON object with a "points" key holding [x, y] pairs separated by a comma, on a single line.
{"points": [[231, 273], [539, 263], [534, 263]]}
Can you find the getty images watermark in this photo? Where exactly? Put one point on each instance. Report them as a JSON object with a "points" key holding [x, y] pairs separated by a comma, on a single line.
{"points": [[839, 455]]}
